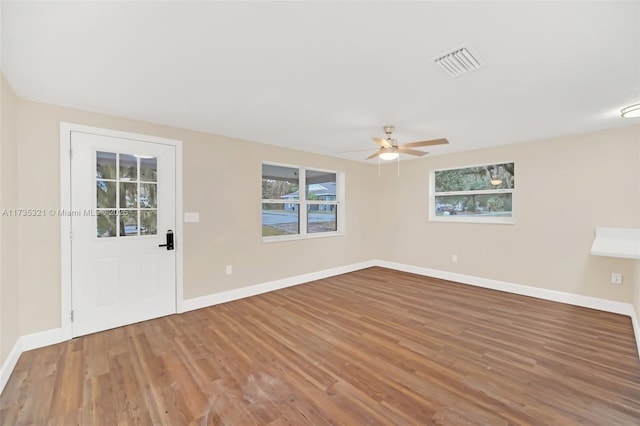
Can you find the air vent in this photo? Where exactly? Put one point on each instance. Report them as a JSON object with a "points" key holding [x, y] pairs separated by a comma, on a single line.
{"points": [[458, 61]]}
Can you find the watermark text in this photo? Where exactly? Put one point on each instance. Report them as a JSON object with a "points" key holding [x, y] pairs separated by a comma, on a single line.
{"points": [[61, 212]]}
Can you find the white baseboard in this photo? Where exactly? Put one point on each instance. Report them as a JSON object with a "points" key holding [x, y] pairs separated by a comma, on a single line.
{"points": [[49, 337], [41, 339], [636, 329], [228, 296], [9, 364], [524, 290], [26, 343]]}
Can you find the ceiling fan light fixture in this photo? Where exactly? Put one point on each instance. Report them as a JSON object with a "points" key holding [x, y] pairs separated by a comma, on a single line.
{"points": [[389, 154], [631, 111]]}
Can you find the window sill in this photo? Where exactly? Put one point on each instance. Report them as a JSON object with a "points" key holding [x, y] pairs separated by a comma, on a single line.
{"points": [[469, 219], [279, 238]]}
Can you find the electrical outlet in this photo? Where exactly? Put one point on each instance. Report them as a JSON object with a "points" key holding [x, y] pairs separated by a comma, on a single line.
{"points": [[454, 258], [616, 278], [229, 269]]}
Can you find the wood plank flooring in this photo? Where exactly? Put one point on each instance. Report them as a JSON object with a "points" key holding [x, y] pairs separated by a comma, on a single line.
{"points": [[371, 347]]}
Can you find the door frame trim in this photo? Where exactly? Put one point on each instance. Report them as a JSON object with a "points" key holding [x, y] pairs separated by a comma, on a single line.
{"points": [[65, 205]]}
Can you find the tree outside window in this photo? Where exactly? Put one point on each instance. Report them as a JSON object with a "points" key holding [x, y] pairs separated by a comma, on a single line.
{"points": [[482, 193]]}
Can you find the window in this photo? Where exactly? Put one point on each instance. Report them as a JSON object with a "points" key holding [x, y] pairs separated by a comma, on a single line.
{"points": [[482, 194], [288, 213], [126, 195]]}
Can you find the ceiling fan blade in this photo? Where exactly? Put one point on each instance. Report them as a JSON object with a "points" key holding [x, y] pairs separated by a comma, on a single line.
{"points": [[382, 142], [376, 154], [426, 143], [355, 150], [417, 152]]}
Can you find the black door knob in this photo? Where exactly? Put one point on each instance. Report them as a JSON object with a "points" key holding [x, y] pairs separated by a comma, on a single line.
{"points": [[169, 244]]}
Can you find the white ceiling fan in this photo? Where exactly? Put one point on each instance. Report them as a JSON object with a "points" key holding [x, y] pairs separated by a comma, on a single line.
{"points": [[390, 149]]}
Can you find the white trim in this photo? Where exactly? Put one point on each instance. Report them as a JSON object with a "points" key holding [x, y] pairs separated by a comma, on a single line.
{"points": [[636, 329], [27, 343], [180, 230], [294, 237], [303, 204], [65, 228], [65, 204], [48, 337], [496, 220], [499, 220], [42, 338], [10, 363], [240, 293], [524, 290]]}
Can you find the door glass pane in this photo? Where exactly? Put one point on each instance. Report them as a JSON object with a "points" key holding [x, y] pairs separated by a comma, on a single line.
{"points": [[132, 204], [322, 218], [148, 222], [149, 169], [105, 165], [128, 222], [128, 167], [280, 219], [105, 195], [128, 195], [106, 223], [148, 195]]}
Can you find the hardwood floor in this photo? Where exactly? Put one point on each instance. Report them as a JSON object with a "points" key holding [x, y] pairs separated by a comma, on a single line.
{"points": [[370, 347]]}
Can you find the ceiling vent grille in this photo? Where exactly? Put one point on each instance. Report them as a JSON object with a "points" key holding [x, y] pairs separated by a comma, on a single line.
{"points": [[458, 61]]}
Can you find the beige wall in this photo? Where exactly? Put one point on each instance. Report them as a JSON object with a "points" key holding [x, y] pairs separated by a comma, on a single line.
{"points": [[221, 182], [566, 187], [548, 247], [9, 301]]}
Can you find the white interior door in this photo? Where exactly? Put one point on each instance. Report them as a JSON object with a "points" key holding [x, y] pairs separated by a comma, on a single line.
{"points": [[122, 206]]}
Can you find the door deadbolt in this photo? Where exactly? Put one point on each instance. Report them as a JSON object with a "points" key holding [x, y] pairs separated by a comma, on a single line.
{"points": [[169, 244]]}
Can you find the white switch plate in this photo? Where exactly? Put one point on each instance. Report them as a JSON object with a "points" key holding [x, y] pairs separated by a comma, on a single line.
{"points": [[229, 270], [616, 278], [191, 216]]}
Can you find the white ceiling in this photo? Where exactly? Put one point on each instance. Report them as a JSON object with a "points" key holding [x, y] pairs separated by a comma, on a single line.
{"points": [[326, 76]]}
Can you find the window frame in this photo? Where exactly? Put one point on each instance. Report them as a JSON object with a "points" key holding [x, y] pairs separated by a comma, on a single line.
{"points": [[303, 204], [506, 220], [118, 210]]}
